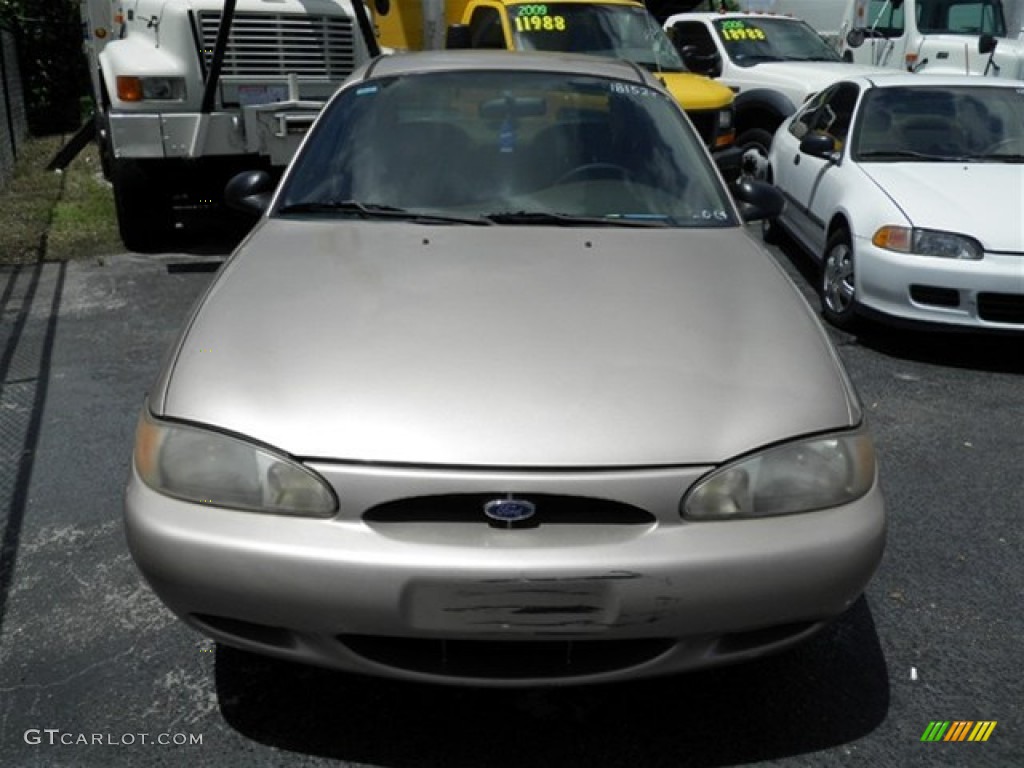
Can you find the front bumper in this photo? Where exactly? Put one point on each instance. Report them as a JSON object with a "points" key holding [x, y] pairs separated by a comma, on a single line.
{"points": [[982, 295], [378, 594], [271, 130]]}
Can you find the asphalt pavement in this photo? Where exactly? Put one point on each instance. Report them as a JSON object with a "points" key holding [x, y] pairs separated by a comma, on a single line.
{"points": [[94, 671]]}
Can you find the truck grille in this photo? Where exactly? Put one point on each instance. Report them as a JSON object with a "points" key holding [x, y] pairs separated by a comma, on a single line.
{"points": [[265, 45]]}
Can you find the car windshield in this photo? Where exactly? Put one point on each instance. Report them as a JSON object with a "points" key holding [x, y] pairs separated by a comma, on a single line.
{"points": [[617, 31], [506, 147], [753, 41], [941, 123]]}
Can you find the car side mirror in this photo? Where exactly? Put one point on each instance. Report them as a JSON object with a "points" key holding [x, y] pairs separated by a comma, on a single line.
{"points": [[819, 145], [250, 192], [855, 37], [757, 199], [986, 44], [458, 37]]}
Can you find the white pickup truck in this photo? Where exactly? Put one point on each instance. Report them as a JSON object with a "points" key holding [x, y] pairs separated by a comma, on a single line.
{"points": [[772, 62], [188, 92]]}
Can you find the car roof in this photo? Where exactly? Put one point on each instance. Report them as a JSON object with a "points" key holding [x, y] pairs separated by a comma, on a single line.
{"points": [[715, 16], [905, 79], [509, 61]]}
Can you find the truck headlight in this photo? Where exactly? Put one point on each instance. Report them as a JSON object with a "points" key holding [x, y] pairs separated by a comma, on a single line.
{"points": [[725, 129], [928, 242], [800, 476], [131, 88], [207, 467]]}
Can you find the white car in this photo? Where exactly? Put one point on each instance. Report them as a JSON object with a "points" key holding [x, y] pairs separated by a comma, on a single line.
{"points": [[910, 192]]}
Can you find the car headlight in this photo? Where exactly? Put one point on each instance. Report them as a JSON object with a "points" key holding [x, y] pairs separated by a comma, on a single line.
{"points": [[208, 467], [801, 476], [131, 88], [928, 242]]}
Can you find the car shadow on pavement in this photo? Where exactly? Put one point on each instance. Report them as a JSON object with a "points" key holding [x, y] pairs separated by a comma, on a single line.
{"points": [[974, 351], [829, 691]]}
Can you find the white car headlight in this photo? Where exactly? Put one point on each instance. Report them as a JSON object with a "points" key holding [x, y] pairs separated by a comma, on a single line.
{"points": [[928, 242], [801, 476], [208, 467]]}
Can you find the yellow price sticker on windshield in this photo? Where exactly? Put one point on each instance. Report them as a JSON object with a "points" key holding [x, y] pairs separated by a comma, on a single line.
{"points": [[540, 23], [737, 30]]}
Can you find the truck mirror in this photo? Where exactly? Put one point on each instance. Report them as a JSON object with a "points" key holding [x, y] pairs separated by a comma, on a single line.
{"points": [[986, 44], [250, 192], [709, 65], [458, 37], [855, 38]]}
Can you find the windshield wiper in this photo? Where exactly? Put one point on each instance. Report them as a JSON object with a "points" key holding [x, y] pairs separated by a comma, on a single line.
{"points": [[1013, 158], [905, 154], [378, 211], [568, 220], [749, 59]]}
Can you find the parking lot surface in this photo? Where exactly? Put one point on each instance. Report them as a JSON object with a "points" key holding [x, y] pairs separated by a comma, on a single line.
{"points": [[94, 671]]}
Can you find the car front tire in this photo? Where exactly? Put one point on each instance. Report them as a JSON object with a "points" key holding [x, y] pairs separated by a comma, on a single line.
{"points": [[837, 285]]}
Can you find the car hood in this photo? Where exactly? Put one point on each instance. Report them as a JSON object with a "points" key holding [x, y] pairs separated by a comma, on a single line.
{"points": [[696, 92], [983, 200], [488, 346], [807, 77]]}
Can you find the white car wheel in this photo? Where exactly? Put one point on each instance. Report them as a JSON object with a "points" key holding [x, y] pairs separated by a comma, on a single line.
{"points": [[838, 291]]}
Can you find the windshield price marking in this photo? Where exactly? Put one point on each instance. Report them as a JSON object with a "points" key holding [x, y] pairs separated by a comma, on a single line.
{"points": [[743, 34], [540, 23]]}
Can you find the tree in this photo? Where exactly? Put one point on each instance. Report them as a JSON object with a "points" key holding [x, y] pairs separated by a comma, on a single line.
{"points": [[49, 37]]}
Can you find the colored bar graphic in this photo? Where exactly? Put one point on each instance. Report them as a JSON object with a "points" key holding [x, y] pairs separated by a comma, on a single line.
{"points": [[935, 730], [982, 730], [959, 730]]}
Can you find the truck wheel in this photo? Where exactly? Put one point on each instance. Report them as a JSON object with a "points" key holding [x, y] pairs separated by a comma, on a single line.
{"points": [[143, 207], [754, 143]]}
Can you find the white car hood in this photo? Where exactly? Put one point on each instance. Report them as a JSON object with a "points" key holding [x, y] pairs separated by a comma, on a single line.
{"points": [[983, 200], [506, 346]]}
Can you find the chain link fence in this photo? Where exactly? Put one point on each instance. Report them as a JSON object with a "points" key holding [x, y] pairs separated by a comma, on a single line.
{"points": [[13, 116]]}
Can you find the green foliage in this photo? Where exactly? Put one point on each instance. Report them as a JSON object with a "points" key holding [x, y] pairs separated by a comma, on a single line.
{"points": [[53, 70]]}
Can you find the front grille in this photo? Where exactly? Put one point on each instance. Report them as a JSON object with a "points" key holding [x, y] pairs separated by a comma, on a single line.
{"points": [[506, 660], [262, 45], [1001, 307], [551, 509]]}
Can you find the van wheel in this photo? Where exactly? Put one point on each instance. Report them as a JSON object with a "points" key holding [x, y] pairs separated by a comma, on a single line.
{"points": [[143, 207], [837, 284]]}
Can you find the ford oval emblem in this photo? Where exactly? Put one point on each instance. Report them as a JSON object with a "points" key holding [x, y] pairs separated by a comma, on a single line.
{"points": [[510, 510]]}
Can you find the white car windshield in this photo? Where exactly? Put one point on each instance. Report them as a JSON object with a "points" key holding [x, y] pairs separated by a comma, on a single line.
{"points": [[507, 147], [941, 123]]}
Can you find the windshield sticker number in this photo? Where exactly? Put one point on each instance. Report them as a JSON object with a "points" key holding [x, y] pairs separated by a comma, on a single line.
{"points": [[631, 90], [737, 30], [534, 18]]}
